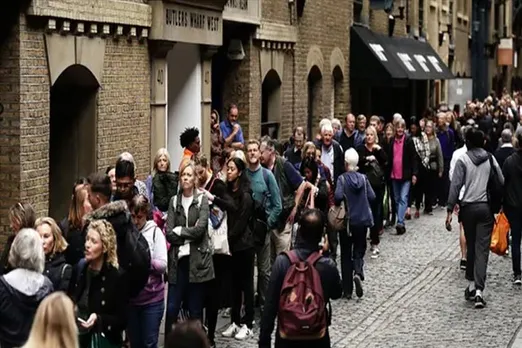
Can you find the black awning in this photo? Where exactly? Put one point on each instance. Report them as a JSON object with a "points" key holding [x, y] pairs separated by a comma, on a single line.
{"points": [[399, 58]]}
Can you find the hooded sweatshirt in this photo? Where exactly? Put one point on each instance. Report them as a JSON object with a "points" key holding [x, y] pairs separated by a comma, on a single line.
{"points": [[155, 289], [21, 292], [472, 170], [358, 192]]}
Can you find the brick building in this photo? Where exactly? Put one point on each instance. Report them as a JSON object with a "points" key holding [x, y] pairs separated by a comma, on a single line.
{"points": [[295, 65]]}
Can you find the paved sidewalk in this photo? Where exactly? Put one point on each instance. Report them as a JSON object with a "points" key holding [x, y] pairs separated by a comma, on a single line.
{"points": [[414, 297]]}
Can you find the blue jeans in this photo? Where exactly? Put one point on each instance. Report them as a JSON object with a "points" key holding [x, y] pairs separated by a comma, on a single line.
{"points": [[401, 190], [515, 222], [191, 294], [144, 324]]}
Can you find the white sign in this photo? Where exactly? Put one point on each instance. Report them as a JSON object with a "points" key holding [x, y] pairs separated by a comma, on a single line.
{"points": [[243, 11], [406, 60], [422, 62], [379, 51], [435, 62]]}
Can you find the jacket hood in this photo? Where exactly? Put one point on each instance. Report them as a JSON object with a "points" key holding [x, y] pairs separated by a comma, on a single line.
{"points": [[110, 211], [478, 156], [355, 181], [27, 286], [149, 226]]}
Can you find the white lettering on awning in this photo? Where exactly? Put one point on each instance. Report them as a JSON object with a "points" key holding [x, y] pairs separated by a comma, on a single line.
{"points": [[435, 62], [406, 60], [422, 62], [379, 51]]}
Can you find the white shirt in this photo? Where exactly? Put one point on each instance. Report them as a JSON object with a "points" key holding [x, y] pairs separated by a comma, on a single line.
{"points": [[184, 250], [327, 157], [456, 155]]}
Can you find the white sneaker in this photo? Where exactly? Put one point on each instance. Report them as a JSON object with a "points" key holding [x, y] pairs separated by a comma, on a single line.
{"points": [[244, 333], [375, 252], [231, 331], [226, 313]]}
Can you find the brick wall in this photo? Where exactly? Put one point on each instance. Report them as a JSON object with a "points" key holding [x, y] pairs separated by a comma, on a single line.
{"points": [[9, 129], [379, 23], [124, 105], [326, 24], [277, 11]]}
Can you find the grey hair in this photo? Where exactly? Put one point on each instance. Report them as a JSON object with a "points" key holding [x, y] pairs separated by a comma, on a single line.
{"points": [[127, 156], [324, 121], [336, 122], [27, 251], [327, 128]]}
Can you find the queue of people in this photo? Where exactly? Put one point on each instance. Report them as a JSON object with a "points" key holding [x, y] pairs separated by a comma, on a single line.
{"points": [[186, 243]]}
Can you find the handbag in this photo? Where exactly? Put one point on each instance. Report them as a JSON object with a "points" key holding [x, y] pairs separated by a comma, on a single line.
{"points": [[337, 215], [98, 340], [218, 229], [499, 242]]}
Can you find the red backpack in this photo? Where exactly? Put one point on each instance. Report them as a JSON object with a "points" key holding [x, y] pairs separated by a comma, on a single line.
{"points": [[302, 307]]}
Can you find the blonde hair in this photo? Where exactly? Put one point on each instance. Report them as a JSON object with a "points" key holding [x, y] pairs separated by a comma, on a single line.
{"points": [[188, 164], [241, 155], [161, 152], [76, 209], [375, 135], [54, 325], [24, 214], [108, 239], [307, 146], [59, 242]]}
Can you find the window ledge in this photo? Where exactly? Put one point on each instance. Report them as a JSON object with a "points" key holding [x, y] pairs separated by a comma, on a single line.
{"points": [[434, 4], [445, 8]]}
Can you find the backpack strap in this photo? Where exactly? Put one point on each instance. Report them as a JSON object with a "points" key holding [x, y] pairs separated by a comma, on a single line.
{"points": [[313, 258], [292, 256]]}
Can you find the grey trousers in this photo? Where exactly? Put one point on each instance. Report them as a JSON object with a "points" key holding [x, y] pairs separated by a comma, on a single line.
{"points": [[263, 268], [478, 222]]}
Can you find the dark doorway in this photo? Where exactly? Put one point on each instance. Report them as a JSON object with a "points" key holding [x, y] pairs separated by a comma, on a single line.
{"points": [[271, 105], [315, 92], [72, 148], [338, 104]]}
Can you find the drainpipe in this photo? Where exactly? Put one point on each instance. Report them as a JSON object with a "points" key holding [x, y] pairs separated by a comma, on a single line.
{"points": [[479, 60]]}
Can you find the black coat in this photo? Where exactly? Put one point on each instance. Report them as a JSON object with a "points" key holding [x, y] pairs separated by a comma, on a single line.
{"points": [[58, 271], [164, 187], [410, 165], [240, 236], [75, 237], [106, 299], [338, 163]]}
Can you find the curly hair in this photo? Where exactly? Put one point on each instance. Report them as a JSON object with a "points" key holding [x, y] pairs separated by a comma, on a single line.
{"points": [[108, 239], [188, 136]]}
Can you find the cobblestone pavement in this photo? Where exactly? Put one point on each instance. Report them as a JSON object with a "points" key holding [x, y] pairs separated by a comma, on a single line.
{"points": [[414, 297]]}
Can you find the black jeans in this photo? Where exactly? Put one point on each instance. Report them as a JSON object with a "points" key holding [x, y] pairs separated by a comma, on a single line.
{"points": [[243, 286], [432, 177], [218, 290], [444, 184], [353, 249], [478, 224], [514, 216], [377, 208]]}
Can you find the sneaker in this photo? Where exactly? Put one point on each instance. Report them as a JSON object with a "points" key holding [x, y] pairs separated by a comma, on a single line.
{"points": [[479, 301], [463, 264], [244, 333], [507, 252], [232, 330], [407, 216], [358, 286], [374, 252], [469, 295], [517, 280], [400, 229], [417, 215]]}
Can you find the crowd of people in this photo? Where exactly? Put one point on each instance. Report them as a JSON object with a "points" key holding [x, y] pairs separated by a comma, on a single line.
{"points": [[185, 242]]}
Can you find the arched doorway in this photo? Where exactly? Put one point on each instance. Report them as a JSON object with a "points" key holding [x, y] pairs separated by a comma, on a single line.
{"points": [[271, 105], [337, 93], [72, 145], [315, 91]]}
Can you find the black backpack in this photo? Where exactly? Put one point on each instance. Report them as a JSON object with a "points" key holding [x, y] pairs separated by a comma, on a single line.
{"points": [[137, 264], [375, 174], [495, 188]]}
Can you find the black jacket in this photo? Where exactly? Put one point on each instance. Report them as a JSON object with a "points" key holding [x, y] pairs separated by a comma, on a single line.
{"points": [[58, 271], [332, 289], [4, 259], [293, 156], [240, 235], [17, 311], [410, 165], [338, 163], [134, 260], [75, 238], [221, 196], [106, 299], [512, 171], [502, 154], [365, 166]]}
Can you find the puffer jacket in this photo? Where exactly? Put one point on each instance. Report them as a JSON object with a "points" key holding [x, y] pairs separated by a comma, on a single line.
{"points": [[194, 228]]}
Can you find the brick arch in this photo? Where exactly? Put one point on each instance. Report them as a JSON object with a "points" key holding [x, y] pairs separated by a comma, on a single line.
{"points": [[337, 60], [315, 58]]}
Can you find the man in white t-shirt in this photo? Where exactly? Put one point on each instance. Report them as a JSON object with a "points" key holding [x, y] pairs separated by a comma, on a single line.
{"points": [[456, 155]]}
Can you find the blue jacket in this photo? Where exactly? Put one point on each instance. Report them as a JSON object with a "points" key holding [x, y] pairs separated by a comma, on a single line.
{"points": [[358, 192]]}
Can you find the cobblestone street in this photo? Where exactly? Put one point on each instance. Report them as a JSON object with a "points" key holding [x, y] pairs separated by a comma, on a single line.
{"points": [[414, 297]]}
